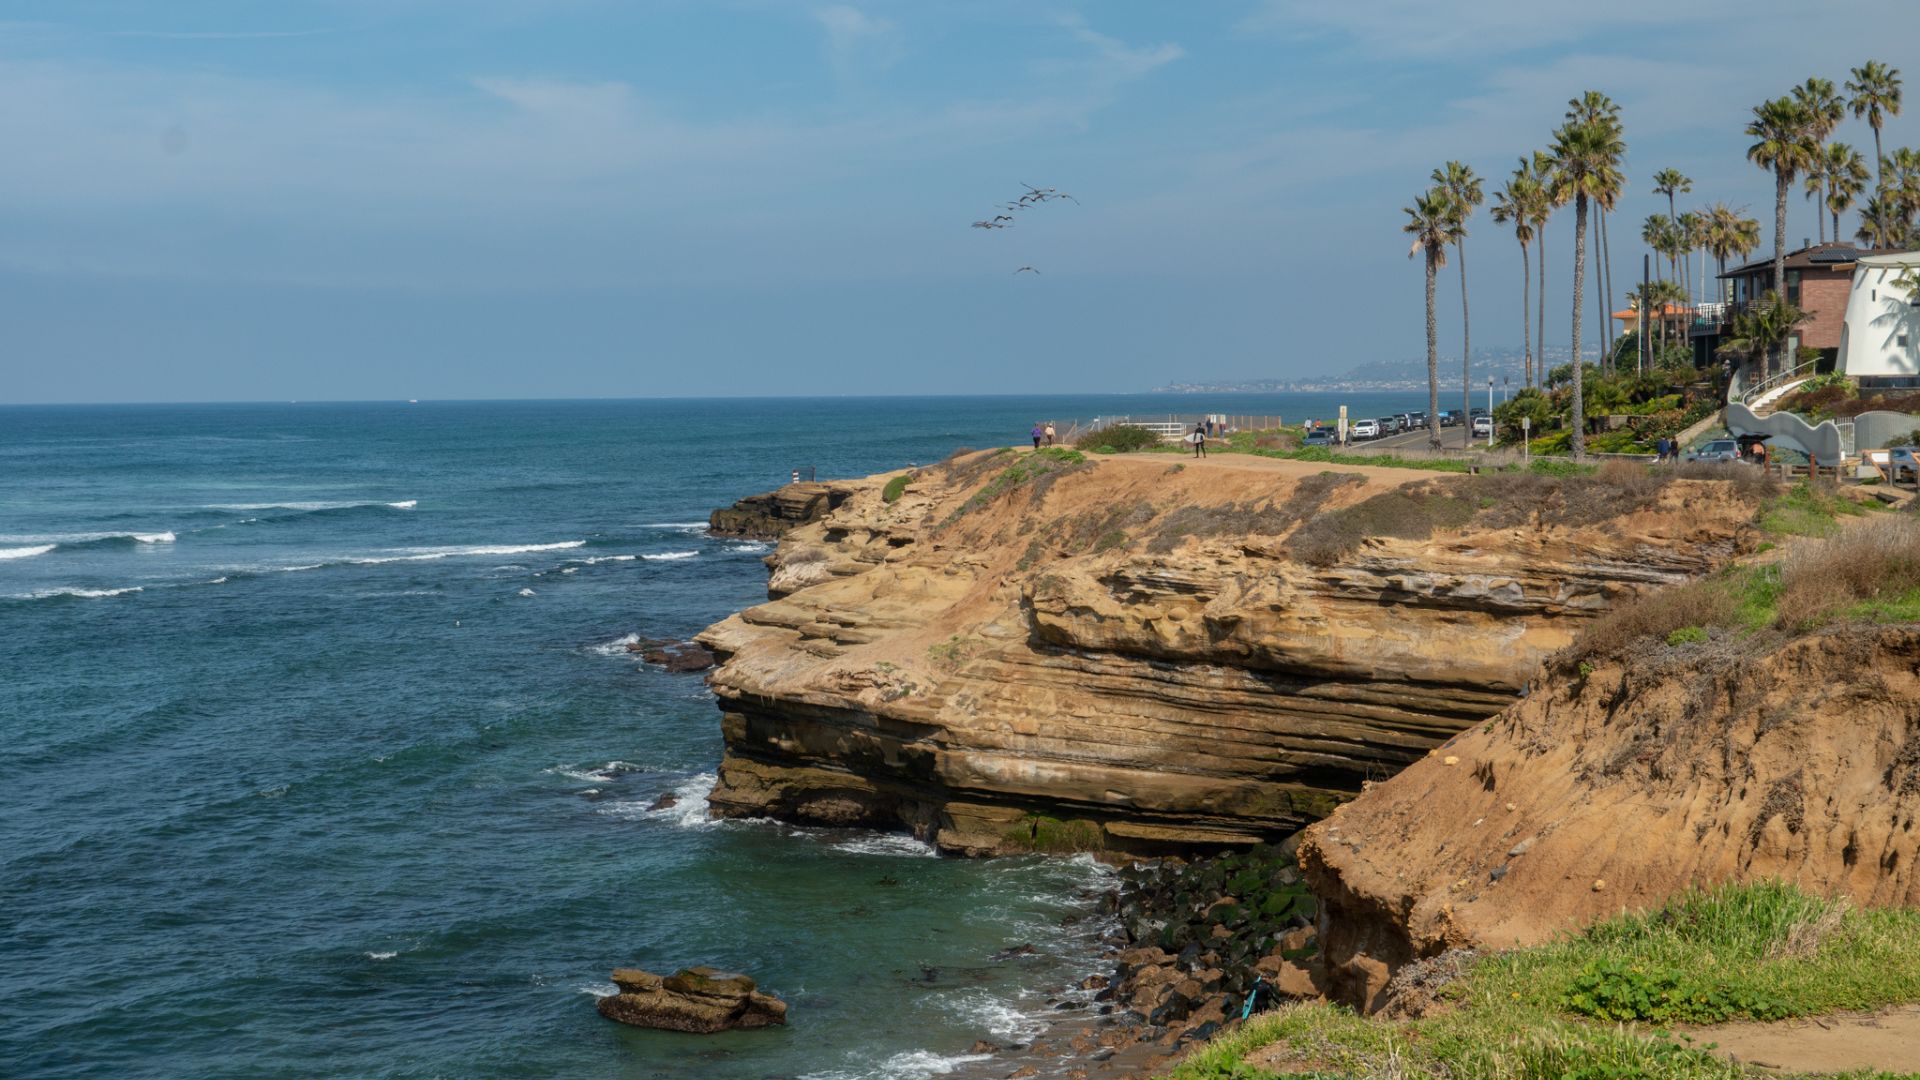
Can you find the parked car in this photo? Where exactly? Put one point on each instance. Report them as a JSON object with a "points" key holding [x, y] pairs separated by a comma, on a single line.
{"points": [[1416, 421], [1482, 425], [1449, 418], [1902, 464], [1318, 437], [1389, 425], [1717, 450], [1365, 429]]}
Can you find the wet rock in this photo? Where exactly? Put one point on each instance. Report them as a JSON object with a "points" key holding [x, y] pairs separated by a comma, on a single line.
{"points": [[1017, 950], [1094, 982], [665, 802], [982, 1046], [701, 1000]]}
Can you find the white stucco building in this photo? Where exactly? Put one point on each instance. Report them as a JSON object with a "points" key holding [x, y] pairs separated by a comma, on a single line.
{"points": [[1880, 340]]}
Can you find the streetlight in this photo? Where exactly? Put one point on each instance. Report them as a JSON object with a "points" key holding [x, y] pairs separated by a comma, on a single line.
{"points": [[1489, 412]]}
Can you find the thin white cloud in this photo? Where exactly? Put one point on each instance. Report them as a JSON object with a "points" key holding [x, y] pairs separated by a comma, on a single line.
{"points": [[853, 38], [219, 35]]}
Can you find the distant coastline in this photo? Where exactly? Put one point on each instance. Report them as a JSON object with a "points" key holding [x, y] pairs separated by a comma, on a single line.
{"points": [[1505, 366]]}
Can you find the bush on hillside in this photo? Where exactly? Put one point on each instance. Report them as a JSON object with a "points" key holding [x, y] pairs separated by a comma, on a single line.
{"points": [[1118, 439]]}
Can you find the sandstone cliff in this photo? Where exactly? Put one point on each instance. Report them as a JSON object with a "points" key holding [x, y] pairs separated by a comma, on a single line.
{"points": [[1694, 764], [1028, 652]]}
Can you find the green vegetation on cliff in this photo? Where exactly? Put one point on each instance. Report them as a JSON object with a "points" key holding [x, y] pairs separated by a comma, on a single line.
{"points": [[1576, 1008]]}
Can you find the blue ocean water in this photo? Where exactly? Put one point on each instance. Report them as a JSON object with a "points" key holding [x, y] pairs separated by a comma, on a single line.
{"points": [[320, 754]]}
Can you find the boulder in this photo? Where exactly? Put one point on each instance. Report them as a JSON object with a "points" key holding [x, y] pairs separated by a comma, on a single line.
{"points": [[701, 1000]]}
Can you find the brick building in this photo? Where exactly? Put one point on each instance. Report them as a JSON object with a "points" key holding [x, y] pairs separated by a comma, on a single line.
{"points": [[1819, 279]]}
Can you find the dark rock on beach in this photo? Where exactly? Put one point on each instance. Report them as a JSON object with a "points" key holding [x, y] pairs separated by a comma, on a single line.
{"points": [[675, 656], [701, 1000], [769, 516]]}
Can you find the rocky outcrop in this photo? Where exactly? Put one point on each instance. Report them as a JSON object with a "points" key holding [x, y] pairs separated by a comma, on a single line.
{"points": [[700, 1000], [771, 516], [1022, 652], [675, 656], [1615, 788]]}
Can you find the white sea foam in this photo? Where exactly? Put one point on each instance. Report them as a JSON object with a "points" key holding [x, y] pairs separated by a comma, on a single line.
{"points": [[680, 526], [751, 547], [592, 560], [688, 812], [569, 569], [154, 538], [906, 1065], [382, 955], [405, 504], [616, 647], [599, 774], [526, 592], [84, 594], [897, 844], [670, 555], [1004, 1021], [221, 580], [598, 990], [430, 554], [25, 552]]}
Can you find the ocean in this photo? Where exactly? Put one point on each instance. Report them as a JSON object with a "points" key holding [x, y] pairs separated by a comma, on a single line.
{"points": [[323, 755]]}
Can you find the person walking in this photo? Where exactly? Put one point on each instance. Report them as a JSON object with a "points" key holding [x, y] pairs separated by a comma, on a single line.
{"points": [[1198, 439], [1038, 433], [1049, 433]]}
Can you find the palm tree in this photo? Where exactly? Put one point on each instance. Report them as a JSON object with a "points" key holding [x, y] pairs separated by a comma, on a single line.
{"points": [[1730, 234], [1824, 105], [1884, 222], [1784, 131], [1764, 328], [1513, 205], [1671, 182], [1541, 168], [1462, 187], [1596, 107], [1846, 175], [1876, 95], [1658, 234], [1815, 185], [1431, 222], [1588, 156], [1903, 186], [1691, 229]]}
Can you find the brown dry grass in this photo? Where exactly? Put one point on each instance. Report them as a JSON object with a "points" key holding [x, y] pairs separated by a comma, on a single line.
{"points": [[1874, 561], [1655, 615]]}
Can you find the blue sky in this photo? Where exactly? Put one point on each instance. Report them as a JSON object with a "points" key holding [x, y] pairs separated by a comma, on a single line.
{"points": [[226, 200]]}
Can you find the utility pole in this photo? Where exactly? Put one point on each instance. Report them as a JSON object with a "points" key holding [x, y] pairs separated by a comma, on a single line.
{"points": [[1646, 347]]}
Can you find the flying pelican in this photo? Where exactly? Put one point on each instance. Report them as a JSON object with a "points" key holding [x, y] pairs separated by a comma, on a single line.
{"points": [[1026, 269]]}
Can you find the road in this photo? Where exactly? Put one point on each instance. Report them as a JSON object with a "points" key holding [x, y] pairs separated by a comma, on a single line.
{"points": [[1449, 437]]}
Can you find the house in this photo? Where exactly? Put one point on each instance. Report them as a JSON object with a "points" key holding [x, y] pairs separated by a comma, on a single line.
{"points": [[1880, 335], [1819, 281]]}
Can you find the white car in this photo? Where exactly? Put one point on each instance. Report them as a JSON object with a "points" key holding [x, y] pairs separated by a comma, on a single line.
{"points": [[1482, 425], [1365, 429]]}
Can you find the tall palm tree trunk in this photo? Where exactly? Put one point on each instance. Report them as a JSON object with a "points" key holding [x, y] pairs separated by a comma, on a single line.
{"points": [[1879, 164], [1606, 274], [1540, 323], [1526, 317], [1780, 185], [1433, 363], [1578, 436], [1466, 350]]}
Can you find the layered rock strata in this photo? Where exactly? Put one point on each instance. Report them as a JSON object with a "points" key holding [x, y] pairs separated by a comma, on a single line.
{"points": [[770, 516], [1030, 653], [1614, 789], [699, 1000]]}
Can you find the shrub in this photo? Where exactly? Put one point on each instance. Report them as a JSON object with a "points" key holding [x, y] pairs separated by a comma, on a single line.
{"points": [[1658, 615], [1687, 635], [894, 489], [1618, 991], [1118, 439], [1410, 513]]}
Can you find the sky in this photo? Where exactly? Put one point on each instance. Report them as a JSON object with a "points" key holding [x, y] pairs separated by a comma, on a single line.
{"points": [[234, 200]]}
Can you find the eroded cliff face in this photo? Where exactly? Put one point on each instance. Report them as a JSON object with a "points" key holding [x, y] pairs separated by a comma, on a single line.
{"points": [[1613, 790], [1140, 656]]}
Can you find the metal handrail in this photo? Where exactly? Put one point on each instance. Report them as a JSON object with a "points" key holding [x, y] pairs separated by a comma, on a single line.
{"points": [[1766, 386]]}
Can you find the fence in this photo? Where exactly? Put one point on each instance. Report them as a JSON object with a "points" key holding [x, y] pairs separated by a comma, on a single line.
{"points": [[1169, 426]]}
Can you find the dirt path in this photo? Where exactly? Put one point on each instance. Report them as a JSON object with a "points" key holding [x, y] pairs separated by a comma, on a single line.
{"points": [[1281, 466], [1838, 1042]]}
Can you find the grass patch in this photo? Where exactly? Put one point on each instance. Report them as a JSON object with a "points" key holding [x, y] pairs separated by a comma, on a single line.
{"points": [[1761, 950], [1806, 509], [1037, 469], [1250, 519], [895, 488], [1409, 513]]}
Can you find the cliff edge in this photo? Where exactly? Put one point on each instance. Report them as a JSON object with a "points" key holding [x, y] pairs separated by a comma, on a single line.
{"points": [[1042, 651]]}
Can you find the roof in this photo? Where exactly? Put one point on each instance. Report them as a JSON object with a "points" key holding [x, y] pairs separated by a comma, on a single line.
{"points": [[1902, 258], [1828, 256], [1672, 311]]}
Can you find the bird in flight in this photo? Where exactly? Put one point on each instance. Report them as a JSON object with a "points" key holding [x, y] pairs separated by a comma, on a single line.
{"points": [[1026, 270]]}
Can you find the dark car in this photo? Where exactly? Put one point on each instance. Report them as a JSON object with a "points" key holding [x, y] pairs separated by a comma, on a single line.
{"points": [[1318, 437], [1717, 450]]}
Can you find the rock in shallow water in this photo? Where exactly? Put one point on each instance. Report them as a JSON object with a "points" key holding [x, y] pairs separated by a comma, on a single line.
{"points": [[701, 1000]]}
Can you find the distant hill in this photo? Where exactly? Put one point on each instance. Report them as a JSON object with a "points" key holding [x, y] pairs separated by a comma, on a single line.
{"points": [[1382, 375]]}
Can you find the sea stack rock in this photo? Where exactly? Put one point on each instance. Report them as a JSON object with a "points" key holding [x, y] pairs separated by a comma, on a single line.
{"points": [[701, 1000]]}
